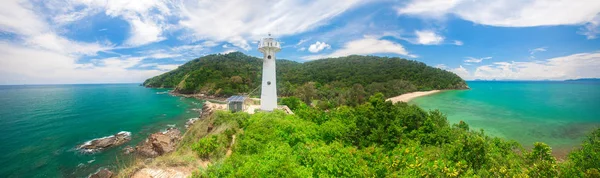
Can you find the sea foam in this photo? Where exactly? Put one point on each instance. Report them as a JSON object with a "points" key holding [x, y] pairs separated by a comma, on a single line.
{"points": [[82, 148]]}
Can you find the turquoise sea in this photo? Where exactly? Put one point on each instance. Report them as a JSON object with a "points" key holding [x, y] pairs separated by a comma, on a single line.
{"points": [[557, 113], [41, 125]]}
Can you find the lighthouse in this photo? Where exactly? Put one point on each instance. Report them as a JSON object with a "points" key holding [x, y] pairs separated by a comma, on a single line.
{"points": [[268, 96]]}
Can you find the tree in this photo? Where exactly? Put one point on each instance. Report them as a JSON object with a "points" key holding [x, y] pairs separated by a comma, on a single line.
{"points": [[236, 79], [356, 95], [333, 77], [307, 92]]}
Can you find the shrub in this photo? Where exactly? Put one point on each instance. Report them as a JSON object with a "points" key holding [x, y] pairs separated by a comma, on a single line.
{"points": [[291, 102], [470, 148], [205, 146], [379, 139]]}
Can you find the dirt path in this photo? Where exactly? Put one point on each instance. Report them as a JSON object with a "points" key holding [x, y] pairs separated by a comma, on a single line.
{"points": [[171, 172], [230, 146]]}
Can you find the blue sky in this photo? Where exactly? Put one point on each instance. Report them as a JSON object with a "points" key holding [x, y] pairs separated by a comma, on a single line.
{"points": [[118, 41]]}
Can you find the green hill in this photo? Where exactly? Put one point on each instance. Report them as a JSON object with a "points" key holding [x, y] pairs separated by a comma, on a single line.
{"points": [[335, 79], [374, 139]]}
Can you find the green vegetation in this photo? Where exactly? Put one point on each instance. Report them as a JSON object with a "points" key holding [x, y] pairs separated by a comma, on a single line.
{"points": [[337, 131], [334, 81], [377, 139]]}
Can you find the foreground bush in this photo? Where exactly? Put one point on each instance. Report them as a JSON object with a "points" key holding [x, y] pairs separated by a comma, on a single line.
{"points": [[381, 139]]}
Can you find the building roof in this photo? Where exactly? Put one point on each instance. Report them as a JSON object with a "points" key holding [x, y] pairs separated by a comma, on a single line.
{"points": [[236, 98]]}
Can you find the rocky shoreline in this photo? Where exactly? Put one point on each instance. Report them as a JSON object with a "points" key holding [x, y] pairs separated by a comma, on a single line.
{"points": [[200, 96], [155, 145], [159, 143], [99, 144]]}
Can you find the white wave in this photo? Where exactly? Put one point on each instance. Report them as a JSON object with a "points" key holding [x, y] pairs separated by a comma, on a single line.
{"points": [[80, 147], [125, 132]]}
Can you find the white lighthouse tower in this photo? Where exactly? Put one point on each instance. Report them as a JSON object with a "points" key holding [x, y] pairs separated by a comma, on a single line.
{"points": [[268, 97]]}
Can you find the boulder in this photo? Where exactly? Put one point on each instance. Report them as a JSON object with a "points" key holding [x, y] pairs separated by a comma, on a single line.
{"points": [[190, 122], [105, 142], [128, 150], [210, 127], [102, 173], [159, 143]]}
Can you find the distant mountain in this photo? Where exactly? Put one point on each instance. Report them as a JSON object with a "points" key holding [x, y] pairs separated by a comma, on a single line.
{"points": [[228, 74], [584, 80]]}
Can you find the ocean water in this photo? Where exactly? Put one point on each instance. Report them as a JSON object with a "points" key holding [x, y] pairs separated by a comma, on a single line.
{"points": [[559, 114], [40, 126]]}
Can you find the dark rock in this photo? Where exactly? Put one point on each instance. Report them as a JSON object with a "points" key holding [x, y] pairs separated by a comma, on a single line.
{"points": [[105, 142], [210, 127], [190, 122], [102, 173], [159, 143], [128, 150]]}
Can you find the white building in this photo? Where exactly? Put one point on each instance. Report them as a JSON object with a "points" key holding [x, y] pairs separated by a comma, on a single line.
{"points": [[268, 97]]}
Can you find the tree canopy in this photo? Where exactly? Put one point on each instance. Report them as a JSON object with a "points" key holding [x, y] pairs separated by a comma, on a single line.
{"points": [[376, 139], [336, 81]]}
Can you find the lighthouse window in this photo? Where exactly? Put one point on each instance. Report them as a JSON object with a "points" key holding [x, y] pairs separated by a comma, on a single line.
{"points": [[269, 83], [269, 57]]}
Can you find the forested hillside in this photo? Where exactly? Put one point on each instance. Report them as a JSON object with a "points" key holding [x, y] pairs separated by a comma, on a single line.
{"points": [[374, 139], [345, 80]]}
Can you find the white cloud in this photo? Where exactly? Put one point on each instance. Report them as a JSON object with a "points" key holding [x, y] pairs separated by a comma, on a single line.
{"points": [[366, 45], [118, 62], [177, 53], [462, 72], [209, 43], [147, 19], [592, 29], [52, 41], [441, 66], [476, 60], [18, 17], [162, 67], [318, 46], [238, 21], [536, 50], [541, 49], [301, 49], [302, 41], [512, 13], [35, 32], [235, 21], [24, 65], [39, 33], [458, 43], [160, 55], [40, 55], [429, 8], [143, 32], [582, 65], [187, 48], [427, 37], [228, 51], [168, 67]]}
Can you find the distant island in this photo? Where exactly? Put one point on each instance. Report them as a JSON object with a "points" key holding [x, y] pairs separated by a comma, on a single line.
{"points": [[332, 81], [584, 80]]}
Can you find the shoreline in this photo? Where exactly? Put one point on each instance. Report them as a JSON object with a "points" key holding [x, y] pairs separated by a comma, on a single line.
{"points": [[412, 95], [204, 97]]}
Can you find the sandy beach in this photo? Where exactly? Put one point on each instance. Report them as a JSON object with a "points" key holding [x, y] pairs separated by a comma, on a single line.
{"points": [[409, 96]]}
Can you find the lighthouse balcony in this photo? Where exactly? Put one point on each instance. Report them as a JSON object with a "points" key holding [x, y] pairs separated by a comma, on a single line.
{"points": [[269, 44]]}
